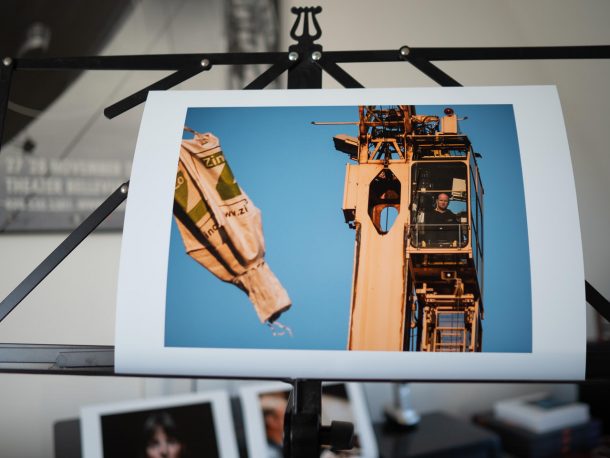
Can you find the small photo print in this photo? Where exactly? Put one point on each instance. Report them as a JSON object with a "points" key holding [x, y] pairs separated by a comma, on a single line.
{"points": [[174, 432], [265, 406], [173, 427]]}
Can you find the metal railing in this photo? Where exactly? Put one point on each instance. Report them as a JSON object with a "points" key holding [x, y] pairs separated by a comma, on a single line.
{"points": [[453, 235]]}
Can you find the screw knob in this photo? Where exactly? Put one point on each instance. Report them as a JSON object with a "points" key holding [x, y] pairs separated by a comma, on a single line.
{"points": [[405, 51]]}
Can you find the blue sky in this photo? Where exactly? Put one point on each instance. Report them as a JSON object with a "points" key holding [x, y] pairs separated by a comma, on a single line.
{"points": [[292, 172]]}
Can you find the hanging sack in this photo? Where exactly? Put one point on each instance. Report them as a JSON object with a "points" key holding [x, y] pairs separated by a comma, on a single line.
{"points": [[220, 226]]}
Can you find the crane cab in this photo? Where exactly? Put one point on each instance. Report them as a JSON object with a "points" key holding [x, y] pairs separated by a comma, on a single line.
{"points": [[445, 249]]}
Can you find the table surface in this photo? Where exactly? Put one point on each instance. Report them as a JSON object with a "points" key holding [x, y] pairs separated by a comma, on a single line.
{"points": [[437, 435]]}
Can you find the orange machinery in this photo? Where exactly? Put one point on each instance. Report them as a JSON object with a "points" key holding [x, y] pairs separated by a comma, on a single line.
{"points": [[417, 283]]}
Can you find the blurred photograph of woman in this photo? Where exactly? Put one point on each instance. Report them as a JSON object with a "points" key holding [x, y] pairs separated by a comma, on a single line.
{"points": [[161, 437]]}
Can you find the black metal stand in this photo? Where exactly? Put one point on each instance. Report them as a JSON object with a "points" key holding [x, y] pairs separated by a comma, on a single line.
{"points": [[304, 62]]}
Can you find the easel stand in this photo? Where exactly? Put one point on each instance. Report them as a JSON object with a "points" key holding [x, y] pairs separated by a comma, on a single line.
{"points": [[304, 62]]}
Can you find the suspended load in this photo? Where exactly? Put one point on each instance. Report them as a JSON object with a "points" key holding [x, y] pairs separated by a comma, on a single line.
{"points": [[220, 226]]}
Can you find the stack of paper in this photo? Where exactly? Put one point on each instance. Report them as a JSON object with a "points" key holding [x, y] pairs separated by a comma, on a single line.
{"points": [[541, 413]]}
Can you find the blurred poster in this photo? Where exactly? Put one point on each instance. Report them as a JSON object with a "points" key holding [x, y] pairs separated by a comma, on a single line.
{"points": [[61, 158]]}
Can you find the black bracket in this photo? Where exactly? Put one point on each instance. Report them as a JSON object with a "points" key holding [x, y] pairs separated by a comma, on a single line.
{"points": [[63, 250], [305, 74], [304, 435], [597, 301], [6, 72]]}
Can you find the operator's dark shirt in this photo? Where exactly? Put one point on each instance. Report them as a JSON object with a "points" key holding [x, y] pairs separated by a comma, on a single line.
{"points": [[440, 227]]}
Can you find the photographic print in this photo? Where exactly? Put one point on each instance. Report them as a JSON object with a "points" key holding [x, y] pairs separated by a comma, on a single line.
{"points": [[264, 407], [398, 222], [173, 427], [337, 239]]}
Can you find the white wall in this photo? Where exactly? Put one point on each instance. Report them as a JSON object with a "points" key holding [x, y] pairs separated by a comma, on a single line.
{"points": [[76, 303]]}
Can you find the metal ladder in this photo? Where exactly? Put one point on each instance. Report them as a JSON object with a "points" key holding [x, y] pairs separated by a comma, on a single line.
{"points": [[447, 336]]}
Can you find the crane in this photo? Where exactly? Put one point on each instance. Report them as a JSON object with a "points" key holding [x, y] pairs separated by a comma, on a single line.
{"points": [[414, 196]]}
